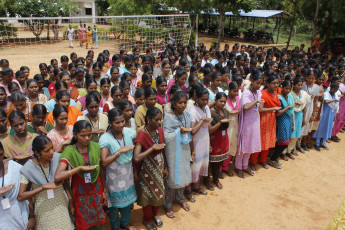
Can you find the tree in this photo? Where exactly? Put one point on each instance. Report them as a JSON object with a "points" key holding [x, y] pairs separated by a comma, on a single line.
{"points": [[41, 8], [102, 7], [130, 7], [234, 6], [294, 4]]}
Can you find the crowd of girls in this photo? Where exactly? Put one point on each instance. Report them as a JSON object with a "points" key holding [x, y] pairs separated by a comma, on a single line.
{"points": [[84, 140]]}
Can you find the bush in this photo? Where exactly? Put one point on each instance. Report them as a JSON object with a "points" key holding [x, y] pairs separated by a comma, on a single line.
{"points": [[192, 38]]}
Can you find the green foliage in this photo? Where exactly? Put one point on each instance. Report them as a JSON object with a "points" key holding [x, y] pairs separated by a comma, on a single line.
{"points": [[130, 7], [102, 7], [7, 31]]}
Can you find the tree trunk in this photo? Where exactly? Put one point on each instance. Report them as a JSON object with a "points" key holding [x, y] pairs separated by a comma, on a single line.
{"points": [[221, 26], [292, 23], [316, 17], [329, 25], [48, 30]]}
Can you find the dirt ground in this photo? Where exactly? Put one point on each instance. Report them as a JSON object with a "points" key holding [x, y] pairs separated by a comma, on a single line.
{"points": [[303, 195]]}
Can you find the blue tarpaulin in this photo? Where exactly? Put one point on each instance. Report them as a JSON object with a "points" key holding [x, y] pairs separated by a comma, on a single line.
{"points": [[254, 13]]}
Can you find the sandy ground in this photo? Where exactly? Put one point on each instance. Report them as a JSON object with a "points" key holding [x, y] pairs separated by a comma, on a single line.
{"points": [[305, 194]]}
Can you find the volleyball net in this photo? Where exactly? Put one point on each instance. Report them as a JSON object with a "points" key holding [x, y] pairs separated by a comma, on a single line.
{"points": [[112, 31]]}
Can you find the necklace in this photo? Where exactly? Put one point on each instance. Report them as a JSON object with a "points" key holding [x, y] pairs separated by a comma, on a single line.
{"points": [[33, 100], [154, 138], [28, 135]]}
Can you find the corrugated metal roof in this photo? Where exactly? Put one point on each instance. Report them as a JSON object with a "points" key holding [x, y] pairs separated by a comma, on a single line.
{"points": [[255, 13]]}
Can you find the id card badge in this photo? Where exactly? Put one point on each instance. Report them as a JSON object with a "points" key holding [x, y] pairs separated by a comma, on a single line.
{"points": [[158, 158], [87, 177], [185, 135], [50, 194], [5, 203], [223, 133]]}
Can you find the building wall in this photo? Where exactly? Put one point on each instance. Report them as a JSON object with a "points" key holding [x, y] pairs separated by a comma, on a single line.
{"points": [[85, 6]]}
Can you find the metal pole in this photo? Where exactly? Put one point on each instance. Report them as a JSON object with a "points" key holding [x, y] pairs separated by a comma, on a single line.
{"points": [[280, 22], [196, 30]]}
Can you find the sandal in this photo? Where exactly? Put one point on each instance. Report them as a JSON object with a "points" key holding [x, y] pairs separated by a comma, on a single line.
{"points": [[157, 221], [218, 184], [169, 213], [291, 156], [275, 164], [324, 147], [239, 173], [150, 226], [190, 197], [309, 146], [294, 152], [265, 165], [221, 176], [185, 206], [200, 191], [249, 171], [253, 167], [208, 185], [229, 173], [284, 157]]}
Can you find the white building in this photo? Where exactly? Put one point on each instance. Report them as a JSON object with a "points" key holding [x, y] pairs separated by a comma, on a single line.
{"points": [[86, 8]]}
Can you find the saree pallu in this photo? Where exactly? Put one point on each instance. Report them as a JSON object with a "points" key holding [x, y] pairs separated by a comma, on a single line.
{"points": [[219, 140], [73, 114], [340, 117], [284, 122], [14, 148], [149, 185]]}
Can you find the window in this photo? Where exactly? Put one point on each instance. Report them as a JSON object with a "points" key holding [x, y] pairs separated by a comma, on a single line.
{"points": [[88, 11]]}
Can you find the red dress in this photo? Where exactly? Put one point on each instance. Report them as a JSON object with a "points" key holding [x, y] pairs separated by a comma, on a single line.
{"points": [[88, 199]]}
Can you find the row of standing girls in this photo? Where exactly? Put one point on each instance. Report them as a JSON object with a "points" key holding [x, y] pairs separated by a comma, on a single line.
{"points": [[89, 139]]}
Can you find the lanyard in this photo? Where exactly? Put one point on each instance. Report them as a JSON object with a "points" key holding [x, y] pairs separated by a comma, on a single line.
{"points": [[185, 121], [123, 138], [88, 155], [92, 122], [223, 116], [155, 140], [43, 170]]}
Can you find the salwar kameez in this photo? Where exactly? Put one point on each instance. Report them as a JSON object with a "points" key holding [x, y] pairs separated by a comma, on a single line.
{"points": [[249, 140], [324, 130], [178, 156], [313, 91]]}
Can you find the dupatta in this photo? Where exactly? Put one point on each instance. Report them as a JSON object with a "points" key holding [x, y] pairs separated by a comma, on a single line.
{"points": [[75, 159], [270, 101], [34, 174], [285, 103]]}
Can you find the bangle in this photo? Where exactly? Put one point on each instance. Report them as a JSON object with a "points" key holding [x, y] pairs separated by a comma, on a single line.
{"points": [[70, 174]]}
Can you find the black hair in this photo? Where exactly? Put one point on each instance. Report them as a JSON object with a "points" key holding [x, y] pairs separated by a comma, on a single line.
{"points": [[256, 77], [61, 94], [297, 80], [6, 71], [89, 81], [37, 77], [174, 89], [160, 80], [91, 98], [149, 92], [39, 143], [114, 89], [11, 85], [59, 85], [201, 92], [19, 72], [97, 64], [177, 96], [124, 103], [52, 61], [146, 77], [114, 113], [64, 74], [105, 81], [71, 65], [139, 93], [219, 95], [215, 75], [22, 68], [64, 58], [271, 78], [73, 54], [17, 96], [334, 85], [286, 83], [42, 65], [233, 85], [123, 84], [58, 109], [193, 88], [16, 115], [30, 81], [79, 126], [39, 109], [152, 113]]}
